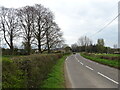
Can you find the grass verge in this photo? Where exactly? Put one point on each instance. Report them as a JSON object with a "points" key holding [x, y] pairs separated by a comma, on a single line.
{"points": [[112, 63], [56, 77]]}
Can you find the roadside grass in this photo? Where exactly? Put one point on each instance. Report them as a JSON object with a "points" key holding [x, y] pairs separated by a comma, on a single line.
{"points": [[112, 63], [110, 55], [56, 77]]}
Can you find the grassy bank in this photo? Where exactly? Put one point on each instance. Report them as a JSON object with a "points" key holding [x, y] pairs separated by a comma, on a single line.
{"points": [[27, 71], [112, 63], [56, 77]]}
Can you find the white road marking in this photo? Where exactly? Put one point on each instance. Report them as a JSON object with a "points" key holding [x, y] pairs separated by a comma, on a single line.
{"points": [[81, 63], [89, 67], [76, 58], [108, 78]]}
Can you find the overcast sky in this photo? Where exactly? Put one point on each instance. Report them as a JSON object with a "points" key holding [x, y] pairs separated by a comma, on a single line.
{"points": [[77, 18]]}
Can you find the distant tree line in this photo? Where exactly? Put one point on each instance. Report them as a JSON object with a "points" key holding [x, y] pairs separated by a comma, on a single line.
{"points": [[85, 44], [34, 24]]}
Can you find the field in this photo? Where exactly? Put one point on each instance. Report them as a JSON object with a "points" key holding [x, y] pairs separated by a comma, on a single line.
{"points": [[110, 55], [107, 59], [30, 71]]}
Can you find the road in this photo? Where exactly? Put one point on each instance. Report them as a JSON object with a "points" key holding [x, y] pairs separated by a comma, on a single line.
{"points": [[83, 73]]}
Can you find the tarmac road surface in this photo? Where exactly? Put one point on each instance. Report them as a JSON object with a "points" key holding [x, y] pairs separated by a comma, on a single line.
{"points": [[83, 73]]}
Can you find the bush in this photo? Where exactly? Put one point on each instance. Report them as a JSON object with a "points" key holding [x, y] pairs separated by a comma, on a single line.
{"points": [[34, 68], [11, 75]]}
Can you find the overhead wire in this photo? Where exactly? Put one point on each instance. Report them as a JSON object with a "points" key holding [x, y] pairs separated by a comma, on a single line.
{"points": [[105, 25], [106, 20]]}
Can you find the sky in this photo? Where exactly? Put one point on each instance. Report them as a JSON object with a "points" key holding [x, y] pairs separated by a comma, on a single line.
{"points": [[78, 18]]}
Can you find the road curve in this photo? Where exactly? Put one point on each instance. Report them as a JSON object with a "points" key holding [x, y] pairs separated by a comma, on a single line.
{"points": [[83, 73]]}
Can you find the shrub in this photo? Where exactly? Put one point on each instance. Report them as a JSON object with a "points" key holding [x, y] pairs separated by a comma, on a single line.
{"points": [[11, 75], [33, 69]]}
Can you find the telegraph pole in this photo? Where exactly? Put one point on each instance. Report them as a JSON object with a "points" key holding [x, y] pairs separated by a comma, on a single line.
{"points": [[0, 63], [119, 25], [119, 40]]}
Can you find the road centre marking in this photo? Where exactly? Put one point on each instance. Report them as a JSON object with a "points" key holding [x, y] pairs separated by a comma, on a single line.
{"points": [[81, 63], [89, 67], [108, 78]]}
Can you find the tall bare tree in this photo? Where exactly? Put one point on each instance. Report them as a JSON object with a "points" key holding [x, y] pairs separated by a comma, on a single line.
{"points": [[9, 25], [40, 25], [53, 36], [26, 18], [84, 41], [36, 24]]}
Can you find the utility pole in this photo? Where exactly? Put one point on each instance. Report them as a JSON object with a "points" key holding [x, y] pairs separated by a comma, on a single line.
{"points": [[119, 25], [119, 38], [0, 63]]}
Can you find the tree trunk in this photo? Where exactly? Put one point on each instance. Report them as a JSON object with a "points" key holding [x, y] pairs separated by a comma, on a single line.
{"points": [[11, 43], [47, 37], [28, 47], [39, 46], [39, 38]]}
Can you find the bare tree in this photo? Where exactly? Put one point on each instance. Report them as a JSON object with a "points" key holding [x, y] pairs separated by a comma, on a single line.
{"points": [[115, 46], [53, 36], [84, 41], [26, 18], [36, 24], [74, 47], [40, 25], [9, 25]]}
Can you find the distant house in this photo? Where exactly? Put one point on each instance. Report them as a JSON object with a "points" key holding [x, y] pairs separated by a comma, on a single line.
{"points": [[22, 52], [37, 51], [62, 50], [58, 50], [117, 52]]}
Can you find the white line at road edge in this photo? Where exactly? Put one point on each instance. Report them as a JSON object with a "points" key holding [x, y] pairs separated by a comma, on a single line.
{"points": [[68, 74], [89, 67], [107, 78]]}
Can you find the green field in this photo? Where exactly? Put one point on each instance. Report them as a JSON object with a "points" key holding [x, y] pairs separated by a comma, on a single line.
{"points": [[110, 55], [93, 57]]}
